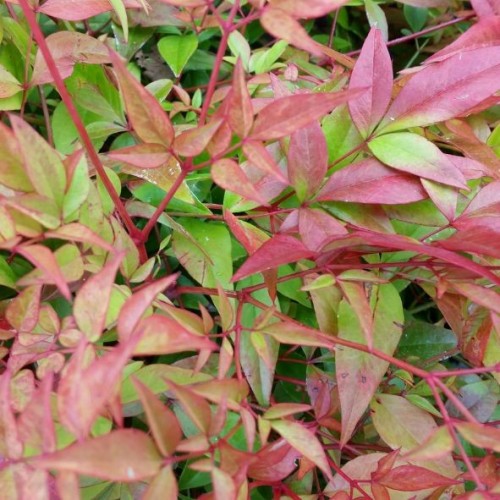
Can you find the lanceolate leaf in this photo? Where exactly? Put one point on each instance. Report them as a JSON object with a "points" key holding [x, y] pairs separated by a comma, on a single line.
{"points": [[279, 250], [288, 114], [126, 455], [74, 10], [482, 436], [413, 478], [373, 69], [134, 308], [145, 113], [359, 373], [282, 25], [304, 441], [484, 33], [229, 175], [165, 428], [92, 300], [240, 114], [307, 9], [142, 155], [193, 141], [67, 49], [307, 159], [445, 90], [416, 155], [42, 164], [369, 181]]}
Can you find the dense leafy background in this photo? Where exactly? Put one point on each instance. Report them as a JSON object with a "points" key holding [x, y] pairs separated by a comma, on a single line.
{"points": [[249, 249]]}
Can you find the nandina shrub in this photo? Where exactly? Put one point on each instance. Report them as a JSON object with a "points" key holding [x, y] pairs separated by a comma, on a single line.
{"points": [[237, 263]]}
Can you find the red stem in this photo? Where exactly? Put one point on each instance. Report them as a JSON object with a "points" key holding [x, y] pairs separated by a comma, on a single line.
{"points": [[227, 28], [66, 98]]}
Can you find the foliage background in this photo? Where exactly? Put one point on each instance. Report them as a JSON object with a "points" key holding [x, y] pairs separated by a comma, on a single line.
{"points": [[239, 260]]}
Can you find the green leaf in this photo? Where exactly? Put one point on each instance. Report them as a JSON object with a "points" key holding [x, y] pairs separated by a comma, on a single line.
{"points": [[424, 340], [121, 12], [416, 155], [177, 50], [359, 373]]}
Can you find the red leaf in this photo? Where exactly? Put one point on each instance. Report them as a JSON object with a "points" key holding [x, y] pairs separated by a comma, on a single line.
{"points": [[399, 242], [373, 69], [479, 235], [122, 455], [67, 49], [445, 90], [135, 306], [76, 10], [274, 462], [286, 115], [316, 227], [240, 116], [307, 160], [282, 25], [259, 156], [369, 181], [162, 335], [486, 8], [413, 478], [484, 33], [308, 9], [142, 155], [147, 117], [229, 175], [279, 250], [192, 142], [92, 300]]}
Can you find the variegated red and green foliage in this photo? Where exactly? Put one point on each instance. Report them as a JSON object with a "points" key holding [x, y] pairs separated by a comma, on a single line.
{"points": [[236, 262]]}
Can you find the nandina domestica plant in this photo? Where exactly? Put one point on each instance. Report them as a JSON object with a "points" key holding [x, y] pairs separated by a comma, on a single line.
{"points": [[239, 258]]}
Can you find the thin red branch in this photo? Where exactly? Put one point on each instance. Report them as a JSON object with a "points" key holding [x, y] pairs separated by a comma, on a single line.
{"points": [[66, 98]]}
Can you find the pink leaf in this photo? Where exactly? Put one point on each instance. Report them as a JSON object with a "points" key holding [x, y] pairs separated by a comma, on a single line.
{"points": [[229, 175], [240, 115], [45, 261], [92, 300], [279, 250], [192, 142], [414, 478], [76, 10], [126, 455], [286, 115], [486, 8], [282, 25], [147, 117], [162, 335], [142, 155], [373, 69], [308, 9], [307, 159], [316, 227], [67, 49], [484, 33], [445, 90], [135, 306], [259, 156], [369, 181]]}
